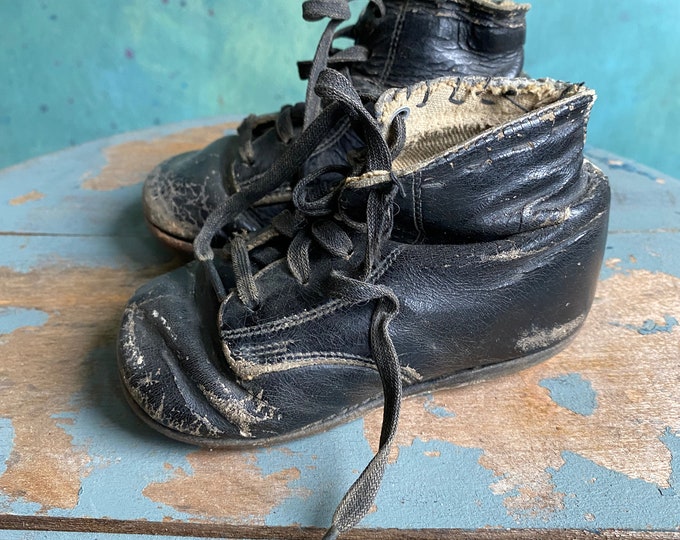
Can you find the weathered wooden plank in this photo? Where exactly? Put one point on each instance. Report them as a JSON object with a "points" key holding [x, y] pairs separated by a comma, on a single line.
{"points": [[589, 440], [112, 526], [83, 190]]}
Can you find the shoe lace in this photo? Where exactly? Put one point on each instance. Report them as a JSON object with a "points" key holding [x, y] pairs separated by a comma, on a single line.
{"points": [[290, 115], [319, 220], [338, 12]]}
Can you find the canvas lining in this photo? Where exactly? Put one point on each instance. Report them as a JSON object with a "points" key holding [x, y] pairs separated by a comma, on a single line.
{"points": [[444, 114]]}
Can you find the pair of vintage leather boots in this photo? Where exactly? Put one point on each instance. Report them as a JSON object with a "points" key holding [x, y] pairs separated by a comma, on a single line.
{"points": [[425, 219]]}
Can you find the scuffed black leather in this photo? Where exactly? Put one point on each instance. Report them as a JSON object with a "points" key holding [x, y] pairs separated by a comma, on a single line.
{"points": [[191, 176], [494, 257], [514, 179], [414, 40], [449, 37]]}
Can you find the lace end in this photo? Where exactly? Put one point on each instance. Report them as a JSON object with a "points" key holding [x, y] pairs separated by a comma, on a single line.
{"points": [[202, 249], [332, 533]]}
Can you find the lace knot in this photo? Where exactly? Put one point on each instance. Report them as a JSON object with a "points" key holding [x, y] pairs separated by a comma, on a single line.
{"points": [[318, 220]]}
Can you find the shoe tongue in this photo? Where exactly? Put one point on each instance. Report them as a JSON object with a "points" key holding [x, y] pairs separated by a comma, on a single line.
{"points": [[484, 158]]}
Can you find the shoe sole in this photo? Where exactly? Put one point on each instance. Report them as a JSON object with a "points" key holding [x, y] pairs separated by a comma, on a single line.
{"points": [[463, 378], [176, 244]]}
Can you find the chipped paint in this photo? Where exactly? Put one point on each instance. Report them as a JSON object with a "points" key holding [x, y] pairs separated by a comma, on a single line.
{"points": [[650, 326], [44, 466], [6, 442], [634, 251], [442, 412], [30, 196], [126, 456], [243, 494], [128, 163], [335, 456], [12, 318], [421, 491], [572, 392], [601, 498], [632, 167]]}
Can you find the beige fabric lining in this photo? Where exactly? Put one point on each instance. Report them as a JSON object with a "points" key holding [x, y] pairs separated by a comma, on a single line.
{"points": [[495, 6], [436, 126]]}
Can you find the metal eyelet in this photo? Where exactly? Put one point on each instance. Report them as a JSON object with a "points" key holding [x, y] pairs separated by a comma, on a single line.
{"points": [[405, 110]]}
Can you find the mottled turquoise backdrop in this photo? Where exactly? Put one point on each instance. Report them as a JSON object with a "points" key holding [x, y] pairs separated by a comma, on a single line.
{"points": [[76, 70]]}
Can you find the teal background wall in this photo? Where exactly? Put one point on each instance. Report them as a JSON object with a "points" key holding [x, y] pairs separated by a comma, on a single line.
{"points": [[76, 70]]}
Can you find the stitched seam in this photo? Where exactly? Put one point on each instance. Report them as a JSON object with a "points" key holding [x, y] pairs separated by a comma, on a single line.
{"points": [[250, 370], [519, 123], [418, 203], [394, 43], [291, 357], [300, 318], [286, 322], [266, 349]]}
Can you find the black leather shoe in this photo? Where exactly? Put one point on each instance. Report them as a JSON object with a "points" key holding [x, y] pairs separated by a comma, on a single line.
{"points": [[396, 43], [465, 244]]}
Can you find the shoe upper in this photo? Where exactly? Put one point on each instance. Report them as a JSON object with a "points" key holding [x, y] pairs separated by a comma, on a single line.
{"points": [[470, 240], [496, 238], [464, 37], [494, 254], [400, 42]]}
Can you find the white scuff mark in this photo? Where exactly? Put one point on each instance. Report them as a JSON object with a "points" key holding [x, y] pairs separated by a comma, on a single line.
{"points": [[544, 337]]}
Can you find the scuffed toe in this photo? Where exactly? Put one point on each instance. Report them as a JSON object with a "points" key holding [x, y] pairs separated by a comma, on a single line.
{"points": [[181, 192], [173, 370]]}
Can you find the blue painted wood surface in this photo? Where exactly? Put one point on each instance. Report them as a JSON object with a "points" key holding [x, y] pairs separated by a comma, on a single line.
{"points": [[588, 440]]}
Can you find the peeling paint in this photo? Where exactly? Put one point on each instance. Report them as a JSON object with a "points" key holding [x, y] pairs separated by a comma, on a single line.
{"points": [[244, 494], [6, 442], [128, 163], [434, 492], [632, 167], [34, 195], [650, 326], [442, 412], [45, 467], [572, 392], [599, 497], [12, 318]]}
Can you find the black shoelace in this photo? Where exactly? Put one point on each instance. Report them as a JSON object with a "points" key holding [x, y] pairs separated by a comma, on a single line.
{"points": [[291, 116], [319, 220]]}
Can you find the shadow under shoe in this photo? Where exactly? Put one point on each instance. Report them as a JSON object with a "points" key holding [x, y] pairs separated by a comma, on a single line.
{"points": [[406, 42]]}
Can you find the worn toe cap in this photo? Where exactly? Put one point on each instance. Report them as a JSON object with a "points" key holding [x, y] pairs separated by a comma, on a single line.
{"points": [[172, 366], [181, 192]]}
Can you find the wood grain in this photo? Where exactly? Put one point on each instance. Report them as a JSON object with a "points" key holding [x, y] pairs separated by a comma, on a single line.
{"points": [[39, 523], [129, 163], [626, 356]]}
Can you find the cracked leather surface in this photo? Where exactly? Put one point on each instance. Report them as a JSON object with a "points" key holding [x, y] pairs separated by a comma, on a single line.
{"points": [[491, 266]]}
